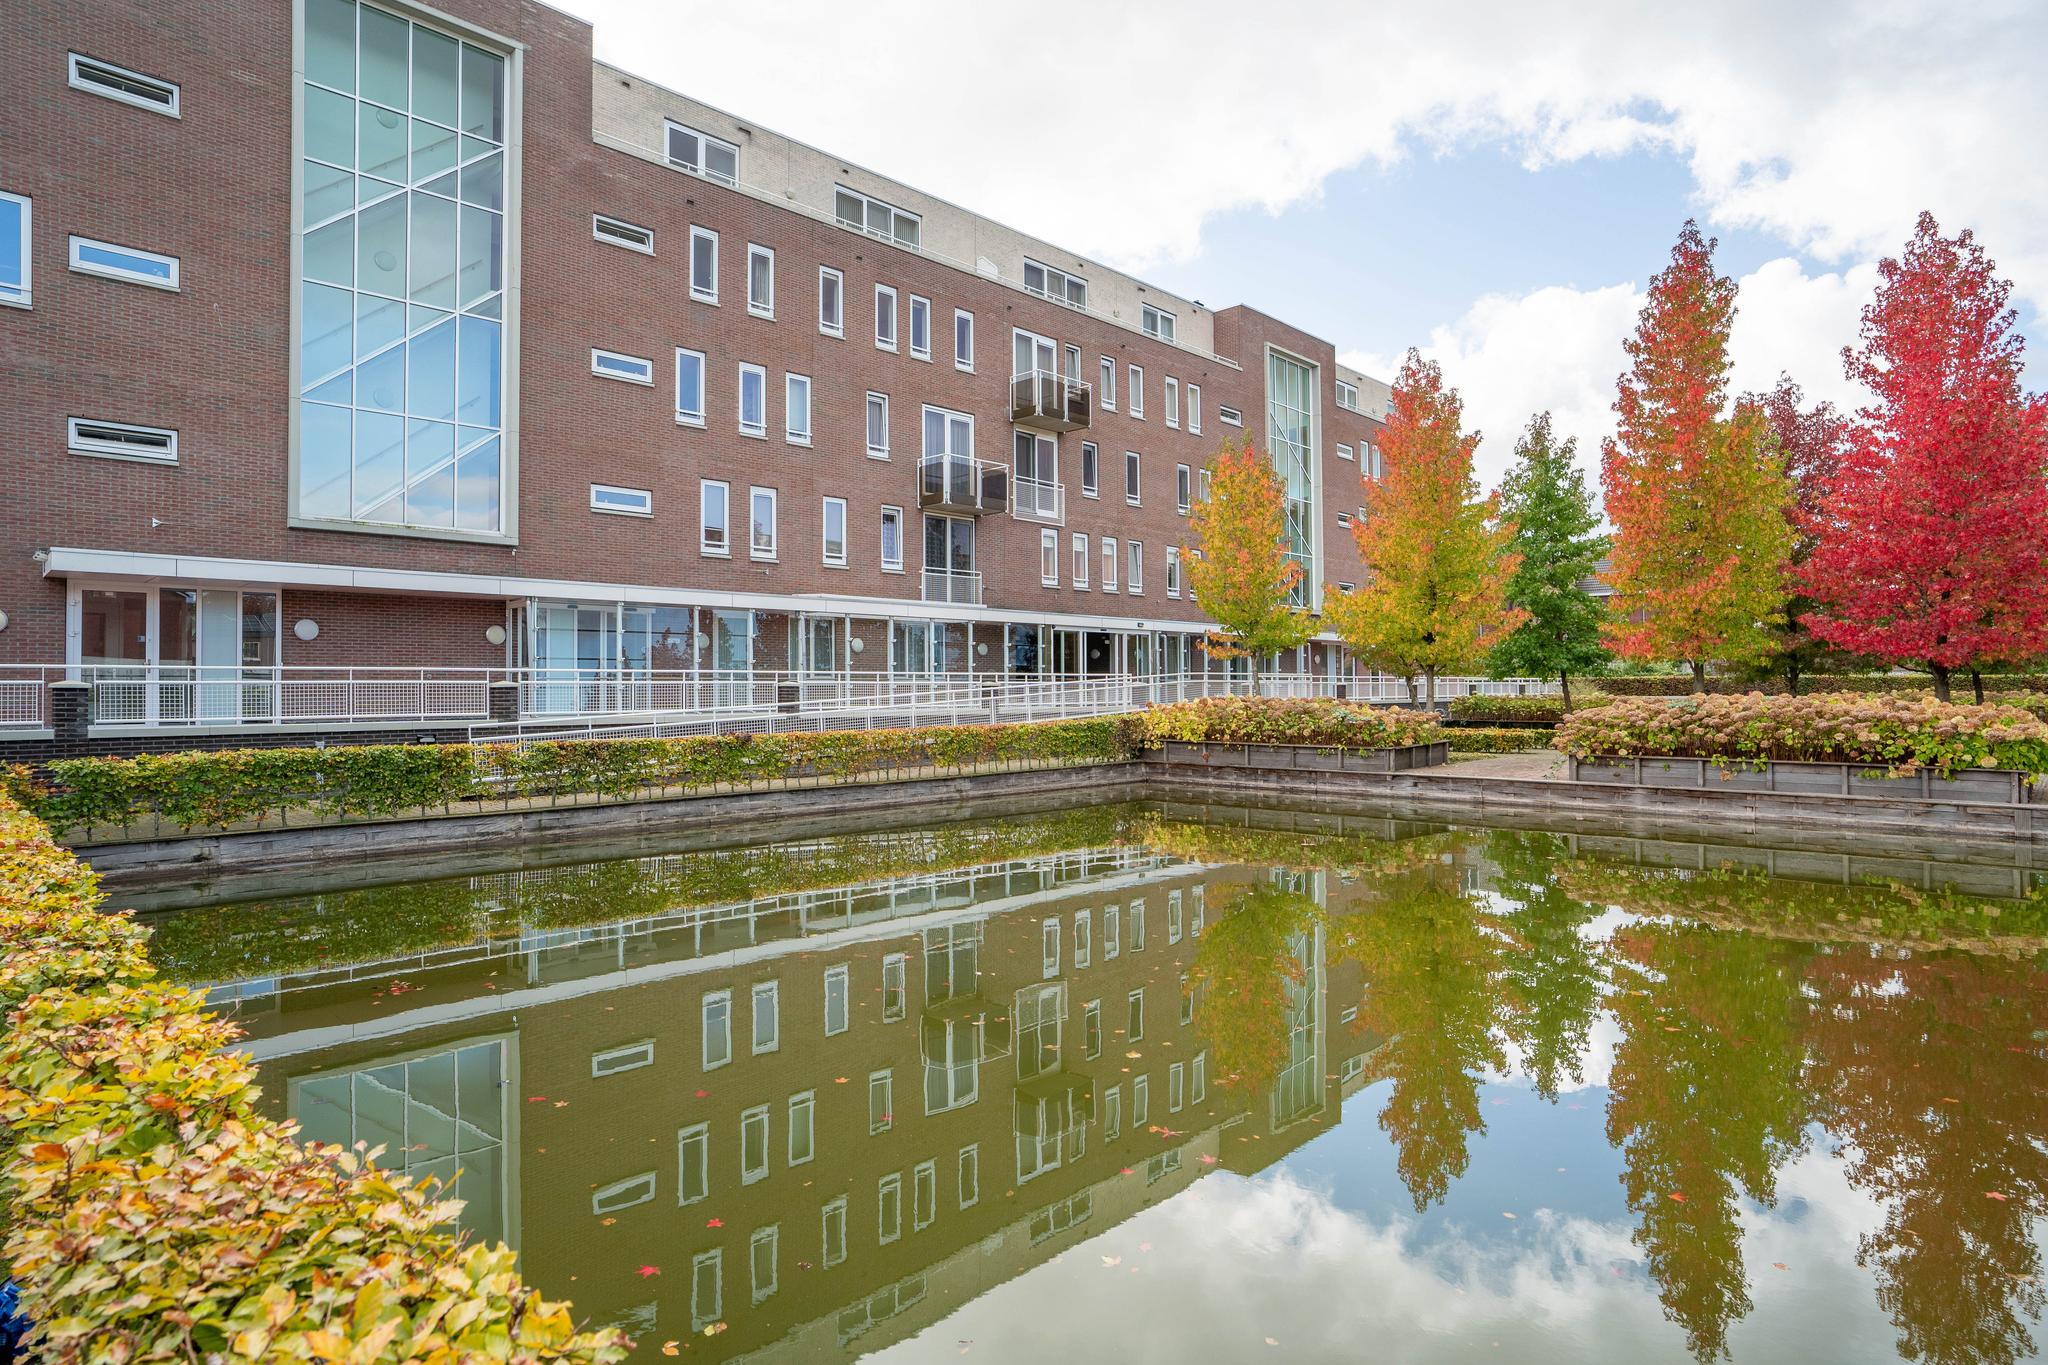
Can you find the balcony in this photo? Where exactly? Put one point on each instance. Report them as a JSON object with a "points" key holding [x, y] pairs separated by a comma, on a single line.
{"points": [[1040, 500], [961, 483], [961, 587], [1047, 400]]}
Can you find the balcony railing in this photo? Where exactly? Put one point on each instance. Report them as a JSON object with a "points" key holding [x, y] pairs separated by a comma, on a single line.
{"points": [[961, 483], [958, 586], [1050, 401], [191, 694], [1039, 500]]}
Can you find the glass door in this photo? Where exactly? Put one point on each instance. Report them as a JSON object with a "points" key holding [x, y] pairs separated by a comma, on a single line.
{"points": [[732, 657]]}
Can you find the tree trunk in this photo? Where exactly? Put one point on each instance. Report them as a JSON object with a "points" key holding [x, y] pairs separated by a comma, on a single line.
{"points": [[1699, 675], [1429, 687], [1977, 685], [1565, 681], [1940, 672], [1251, 662], [1792, 677]]}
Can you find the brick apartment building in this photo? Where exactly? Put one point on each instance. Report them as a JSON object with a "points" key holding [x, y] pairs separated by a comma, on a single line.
{"points": [[358, 355]]}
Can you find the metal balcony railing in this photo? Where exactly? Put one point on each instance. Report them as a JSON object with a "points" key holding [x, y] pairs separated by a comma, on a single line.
{"points": [[958, 586], [1050, 401], [961, 483], [195, 694], [1042, 500]]}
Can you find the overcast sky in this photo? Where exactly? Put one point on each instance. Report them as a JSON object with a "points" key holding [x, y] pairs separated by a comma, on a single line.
{"points": [[1491, 182]]}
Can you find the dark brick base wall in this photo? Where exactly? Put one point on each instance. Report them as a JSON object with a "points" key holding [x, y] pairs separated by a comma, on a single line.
{"points": [[36, 752]]}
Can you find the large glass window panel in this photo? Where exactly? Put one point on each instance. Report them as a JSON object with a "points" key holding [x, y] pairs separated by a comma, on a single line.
{"points": [[381, 142], [385, 56], [433, 150], [330, 127], [483, 254], [324, 343], [431, 391], [483, 94], [433, 250], [328, 191], [380, 465], [331, 43], [436, 60], [325, 438]]}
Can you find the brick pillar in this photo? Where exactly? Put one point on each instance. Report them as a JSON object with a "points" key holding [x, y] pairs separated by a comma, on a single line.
{"points": [[505, 701], [70, 711]]}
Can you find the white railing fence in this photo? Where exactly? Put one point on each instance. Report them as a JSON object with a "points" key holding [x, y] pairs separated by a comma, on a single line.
{"points": [[194, 694]]}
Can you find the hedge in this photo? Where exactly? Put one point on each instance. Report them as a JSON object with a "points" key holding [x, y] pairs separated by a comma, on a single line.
{"points": [[222, 787], [1472, 739], [1681, 684], [156, 1215], [1904, 732], [1479, 706], [1277, 720]]}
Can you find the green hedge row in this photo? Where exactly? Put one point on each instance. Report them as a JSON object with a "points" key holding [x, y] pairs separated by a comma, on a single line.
{"points": [[217, 788], [1278, 720], [1479, 740], [1681, 684], [1551, 708], [156, 1215]]}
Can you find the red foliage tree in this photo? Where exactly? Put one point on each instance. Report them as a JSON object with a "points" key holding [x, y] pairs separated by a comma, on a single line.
{"points": [[1810, 442], [1933, 535]]}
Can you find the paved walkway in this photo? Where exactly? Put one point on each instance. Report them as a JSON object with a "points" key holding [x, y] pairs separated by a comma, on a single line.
{"points": [[1547, 765]]}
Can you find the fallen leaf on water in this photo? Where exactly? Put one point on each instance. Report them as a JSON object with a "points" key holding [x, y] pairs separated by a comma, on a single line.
{"points": [[701, 1094], [1271, 1342], [1506, 1214], [1208, 1159], [648, 1272], [1994, 1194], [1675, 1197], [839, 1080], [669, 1348], [714, 1222], [1948, 1099], [1112, 1260], [536, 1099], [1127, 1171], [1777, 1265], [606, 1222], [561, 1104]]}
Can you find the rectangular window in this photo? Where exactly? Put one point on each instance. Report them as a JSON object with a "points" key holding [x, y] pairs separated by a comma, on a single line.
{"points": [[622, 1194], [1131, 487], [622, 502], [1343, 519], [803, 1134], [689, 387], [713, 535], [693, 1163], [717, 1029], [963, 340], [970, 1175], [895, 986], [1173, 571], [1187, 1000], [1141, 1101], [1137, 926], [1053, 283], [1195, 409], [1106, 399], [1080, 547], [767, 1016], [619, 232], [889, 1207], [1049, 558], [1112, 932], [920, 328], [1158, 322], [1183, 488], [119, 83], [833, 1250], [760, 280], [753, 1144], [1347, 395], [1343, 451], [831, 302], [1134, 1023], [1134, 567], [865, 213], [796, 409], [878, 426], [1173, 917], [1112, 1113], [631, 1057], [702, 153], [17, 233], [881, 1102], [1198, 1078], [1109, 563], [763, 1252], [703, 265], [1049, 948], [924, 1194], [892, 539], [1084, 939], [128, 263], [1176, 1082], [1091, 1030], [121, 441], [834, 518], [761, 524], [1377, 469], [612, 365], [1230, 417], [1172, 402], [885, 317], [835, 1000], [1091, 470], [1135, 391], [753, 401]]}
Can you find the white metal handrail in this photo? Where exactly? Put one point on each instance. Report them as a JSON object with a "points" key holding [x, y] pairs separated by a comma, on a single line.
{"points": [[959, 586], [209, 694], [1053, 393], [1039, 500]]}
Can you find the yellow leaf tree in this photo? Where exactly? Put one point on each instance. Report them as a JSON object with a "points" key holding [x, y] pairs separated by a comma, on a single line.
{"points": [[1238, 567], [1437, 562]]}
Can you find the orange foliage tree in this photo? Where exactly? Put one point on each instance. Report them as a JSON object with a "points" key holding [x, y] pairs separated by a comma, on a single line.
{"points": [[1238, 567]]}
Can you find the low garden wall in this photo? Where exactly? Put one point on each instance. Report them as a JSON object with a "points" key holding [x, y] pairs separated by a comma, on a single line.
{"points": [[1796, 778], [1304, 757], [154, 1214]]}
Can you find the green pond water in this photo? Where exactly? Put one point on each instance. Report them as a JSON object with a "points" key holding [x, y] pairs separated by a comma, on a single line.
{"points": [[1174, 1083]]}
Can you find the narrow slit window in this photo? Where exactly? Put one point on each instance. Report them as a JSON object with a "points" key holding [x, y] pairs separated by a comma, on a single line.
{"points": [[130, 264], [619, 232], [632, 369], [119, 83], [121, 441]]}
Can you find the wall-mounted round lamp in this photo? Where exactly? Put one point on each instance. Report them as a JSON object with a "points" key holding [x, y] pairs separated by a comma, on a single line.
{"points": [[3, 620], [495, 634], [702, 639], [856, 644], [982, 649], [306, 628]]}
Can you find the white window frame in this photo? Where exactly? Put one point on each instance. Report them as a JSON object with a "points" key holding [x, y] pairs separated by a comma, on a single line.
{"points": [[1229, 416], [1134, 568], [1183, 488], [599, 492], [825, 509], [623, 1194], [1066, 278], [160, 445], [704, 544], [1134, 392], [1081, 549], [891, 565], [826, 1215], [703, 293], [170, 283], [640, 363], [1343, 519], [876, 452], [881, 1082], [759, 429], [1084, 938], [24, 297], [1141, 1101], [1091, 1030], [842, 975], [831, 326], [1347, 395], [792, 385], [924, 1194], [1343, 451], [612, 1061], [622, 234], [687, 416], [888, 1193], [1049, 557], [773, 552], [1134, 1013], [806, 1103], [757, 252], [772, 992], [897, 965], [723, 997], [888, 343], [920, 303], [771, 1237], [968, 1173], [1173, 571], [1110, 553], [1049, 948], [702, 168], [1091, 470], [756, 1113], [963, 328], [1106, 397], [868, 201], [1134, 478], [169, 106], [1157, 322], [703, 1316], [1172, 402], [1194, 409]]}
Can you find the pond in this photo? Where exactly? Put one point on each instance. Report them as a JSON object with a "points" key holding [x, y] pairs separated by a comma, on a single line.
{"points": [[1156, 1082]]}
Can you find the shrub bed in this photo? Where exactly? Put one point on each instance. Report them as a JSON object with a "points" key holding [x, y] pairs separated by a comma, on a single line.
{"points": [[218, 788], [1680, 684], [1902, 732], [1541, 708], [156, 1215], [1475, 739], [1280, 720]]}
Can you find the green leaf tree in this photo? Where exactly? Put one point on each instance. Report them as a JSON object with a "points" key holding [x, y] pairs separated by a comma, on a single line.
{"points": [[1238, 566], [1557, 537], [1436, 553]]}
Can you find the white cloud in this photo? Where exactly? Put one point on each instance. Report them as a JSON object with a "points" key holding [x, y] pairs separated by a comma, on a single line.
{"points": [[1118, 130]]}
